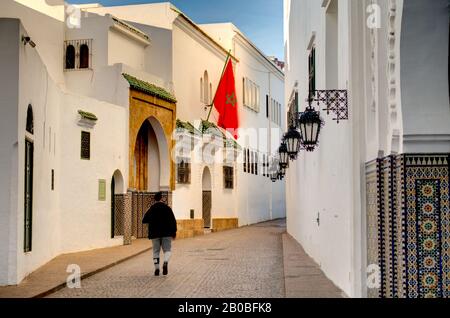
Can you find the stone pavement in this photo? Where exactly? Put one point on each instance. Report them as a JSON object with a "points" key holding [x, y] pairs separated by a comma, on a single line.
{"points": [[303, 277], [250, 262], [53, 275]]}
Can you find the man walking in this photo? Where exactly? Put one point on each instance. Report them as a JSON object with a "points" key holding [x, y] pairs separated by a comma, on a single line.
{"points": [[162, 228]]}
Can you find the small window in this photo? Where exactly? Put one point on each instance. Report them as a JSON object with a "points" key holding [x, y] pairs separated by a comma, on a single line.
{"points": [[251, 95], [53, 180], [245, 160], [248, 161], [85, 145], [312, 71], [184, 172], [228, 174], [205, 87], [30, 120], [84, 56], [70, 57]]}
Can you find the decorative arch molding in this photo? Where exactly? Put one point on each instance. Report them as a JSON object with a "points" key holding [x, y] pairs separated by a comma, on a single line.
{"points": [[163, 147], [162, 115], [393, 76], [119, 183]]}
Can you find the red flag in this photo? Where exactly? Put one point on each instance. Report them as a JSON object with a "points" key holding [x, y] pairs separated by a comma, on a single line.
{"points": [[226, 101]]}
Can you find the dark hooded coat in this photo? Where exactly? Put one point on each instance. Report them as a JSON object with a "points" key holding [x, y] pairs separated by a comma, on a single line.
{"points": [[161, 221]]}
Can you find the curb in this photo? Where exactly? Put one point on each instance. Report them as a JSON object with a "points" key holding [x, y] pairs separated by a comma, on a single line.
{"points": [[87, 275]]}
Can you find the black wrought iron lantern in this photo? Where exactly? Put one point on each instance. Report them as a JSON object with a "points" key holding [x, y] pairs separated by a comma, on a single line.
{"points": [[284, 155], [310, 124], [282, 170], [293, 142]]}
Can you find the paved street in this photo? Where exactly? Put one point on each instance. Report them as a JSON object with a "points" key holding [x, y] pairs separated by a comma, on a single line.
{"points": [[246, 262]]}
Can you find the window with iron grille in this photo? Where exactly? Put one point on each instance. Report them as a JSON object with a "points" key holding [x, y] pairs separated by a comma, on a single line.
{"points": [[248, 162], [251, 94], [85, 145], [28, 204], [184, 172], [264, 165], [78, 55], [312, 70], [245, 160], [293, 110], [228, 177]]}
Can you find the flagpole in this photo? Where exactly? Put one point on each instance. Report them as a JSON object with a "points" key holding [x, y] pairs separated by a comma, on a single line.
{"points": [[215, 94]]}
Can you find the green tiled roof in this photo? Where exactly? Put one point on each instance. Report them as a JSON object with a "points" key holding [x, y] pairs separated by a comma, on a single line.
{"points": [[87, 115], [150, 89], [187, 126], [210, 127], [207, 125], [230, 142]]}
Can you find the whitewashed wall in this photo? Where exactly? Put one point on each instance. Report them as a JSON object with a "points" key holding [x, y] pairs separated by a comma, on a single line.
{"points": [[9, 64], [319, 184]]}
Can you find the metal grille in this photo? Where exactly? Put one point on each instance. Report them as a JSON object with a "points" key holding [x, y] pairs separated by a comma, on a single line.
{"points": [[184, 172], [336, 101], [292, 118], [85, 145], [141, 203], [228, 175], [78, 54], [28, 207]]}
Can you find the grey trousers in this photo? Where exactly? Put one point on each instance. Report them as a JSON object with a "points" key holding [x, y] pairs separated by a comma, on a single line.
{"points": [[164, 242]]}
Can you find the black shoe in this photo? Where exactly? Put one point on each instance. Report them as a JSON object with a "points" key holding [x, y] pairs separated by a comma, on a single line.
{"points": [[156, 272], [165, 269]]}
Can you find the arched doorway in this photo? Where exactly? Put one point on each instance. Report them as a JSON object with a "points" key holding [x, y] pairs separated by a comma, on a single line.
{"points": [[206, 197], [150, 171], [151, 164], [117, 205]]}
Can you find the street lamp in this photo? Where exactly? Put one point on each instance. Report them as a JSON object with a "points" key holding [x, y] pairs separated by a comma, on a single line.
{"points": [[310, 123], [293, 142], [282, 170], [284, 155]]}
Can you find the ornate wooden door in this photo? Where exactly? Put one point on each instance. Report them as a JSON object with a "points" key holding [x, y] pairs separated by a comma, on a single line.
{"points": [[207, 202]]}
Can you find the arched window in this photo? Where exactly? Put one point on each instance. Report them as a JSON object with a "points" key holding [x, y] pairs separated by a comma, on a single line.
{"points": [[210, 94], [30, 120], [84, 56], [70, 57], [205, 87], [201, 90]]}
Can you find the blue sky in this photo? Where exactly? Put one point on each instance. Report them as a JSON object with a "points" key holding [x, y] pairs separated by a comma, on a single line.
{"points": [[260, 20]]}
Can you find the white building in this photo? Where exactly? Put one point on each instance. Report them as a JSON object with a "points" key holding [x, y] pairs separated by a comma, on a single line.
{"points": [[376, 190], [88, 114]]}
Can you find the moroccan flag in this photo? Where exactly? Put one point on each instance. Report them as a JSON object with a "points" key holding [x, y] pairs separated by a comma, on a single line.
{"points": [[226, 101]]}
